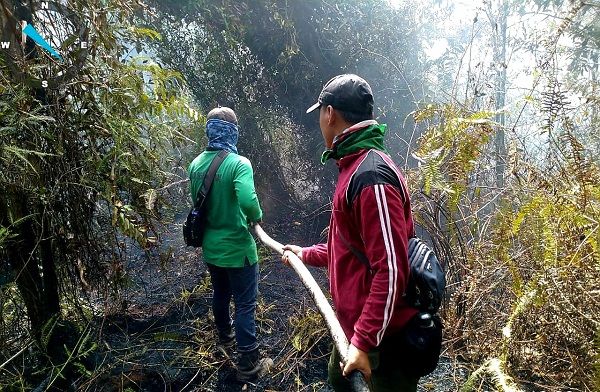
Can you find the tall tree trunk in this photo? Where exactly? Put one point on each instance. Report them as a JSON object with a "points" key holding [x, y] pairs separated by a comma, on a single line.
{"points": [[500, 63], [35, 276]]}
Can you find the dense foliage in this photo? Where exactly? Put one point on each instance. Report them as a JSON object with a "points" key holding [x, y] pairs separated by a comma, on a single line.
{"points": [[82, 169], [524, 258]]}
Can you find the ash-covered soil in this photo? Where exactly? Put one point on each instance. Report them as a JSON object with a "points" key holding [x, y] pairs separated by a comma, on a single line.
{"points": [[162, 339]]}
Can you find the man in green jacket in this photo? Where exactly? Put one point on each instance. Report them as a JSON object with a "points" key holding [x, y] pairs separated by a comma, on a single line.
{"points": [[228, 247]]}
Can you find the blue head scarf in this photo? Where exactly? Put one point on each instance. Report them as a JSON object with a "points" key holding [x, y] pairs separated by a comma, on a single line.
{"points": [[222, 135]]}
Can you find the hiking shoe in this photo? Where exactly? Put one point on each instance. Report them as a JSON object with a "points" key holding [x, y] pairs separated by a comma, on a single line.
{"points": [[251, 366]]}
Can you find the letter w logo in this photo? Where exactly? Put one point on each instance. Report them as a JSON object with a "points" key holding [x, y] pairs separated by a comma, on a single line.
{"points": [[5, 44]]}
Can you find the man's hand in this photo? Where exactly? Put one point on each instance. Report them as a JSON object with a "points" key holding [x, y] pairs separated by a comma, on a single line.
{"points": [[357, 360], [295, 249]]}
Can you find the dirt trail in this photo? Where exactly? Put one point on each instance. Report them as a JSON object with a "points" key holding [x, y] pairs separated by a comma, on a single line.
{"points": [[164, 340]]}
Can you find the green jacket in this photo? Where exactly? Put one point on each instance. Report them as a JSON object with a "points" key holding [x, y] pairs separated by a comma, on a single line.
{"points": [[232, 204]]}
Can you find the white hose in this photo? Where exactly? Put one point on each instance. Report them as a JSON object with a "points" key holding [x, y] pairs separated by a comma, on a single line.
{"points": [[337, 333]]}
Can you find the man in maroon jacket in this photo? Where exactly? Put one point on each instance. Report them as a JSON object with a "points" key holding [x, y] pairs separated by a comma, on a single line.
{"points": [[371, 215]]}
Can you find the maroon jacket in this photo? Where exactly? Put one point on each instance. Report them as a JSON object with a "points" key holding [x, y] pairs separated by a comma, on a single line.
{"points": [[371, 212]]}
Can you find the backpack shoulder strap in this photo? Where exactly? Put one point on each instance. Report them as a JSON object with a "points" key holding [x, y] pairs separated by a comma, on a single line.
{"points": [[403, 190], [357, 253], [210, 175]]}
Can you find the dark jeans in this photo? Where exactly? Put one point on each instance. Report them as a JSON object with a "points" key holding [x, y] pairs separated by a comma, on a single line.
{"points": [[242, 285], [385, 377]]}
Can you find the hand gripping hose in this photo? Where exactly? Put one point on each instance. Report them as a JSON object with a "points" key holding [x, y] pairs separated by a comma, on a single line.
{"points": [[339, 337]]}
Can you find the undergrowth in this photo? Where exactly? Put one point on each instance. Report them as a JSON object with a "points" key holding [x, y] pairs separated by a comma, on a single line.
{"points": [[524, 260]]}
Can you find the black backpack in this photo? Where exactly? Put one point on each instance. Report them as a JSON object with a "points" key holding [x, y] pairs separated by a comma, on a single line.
{"points": [[194, 225], [427, 282]]}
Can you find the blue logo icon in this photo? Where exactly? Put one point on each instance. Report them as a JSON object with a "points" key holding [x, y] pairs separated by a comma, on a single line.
{"points": [[37, 38]]}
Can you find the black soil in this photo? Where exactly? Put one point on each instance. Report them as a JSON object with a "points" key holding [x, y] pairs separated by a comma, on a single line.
{"points": [[162, 338]]}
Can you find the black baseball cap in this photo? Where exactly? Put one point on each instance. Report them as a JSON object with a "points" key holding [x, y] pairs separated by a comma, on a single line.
{"points": [[347, 92]]}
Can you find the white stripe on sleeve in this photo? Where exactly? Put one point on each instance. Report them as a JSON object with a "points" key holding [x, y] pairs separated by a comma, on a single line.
{"points": [[384, 220]]}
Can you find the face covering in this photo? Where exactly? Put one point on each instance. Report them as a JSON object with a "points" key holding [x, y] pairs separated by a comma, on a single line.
{"points": [[222, 135]]}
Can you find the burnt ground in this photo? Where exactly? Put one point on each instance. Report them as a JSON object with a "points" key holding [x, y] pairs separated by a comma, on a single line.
{"points": [[162, 338]]}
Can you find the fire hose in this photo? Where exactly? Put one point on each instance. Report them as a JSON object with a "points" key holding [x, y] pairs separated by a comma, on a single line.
{"points": [[357, 380]]}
